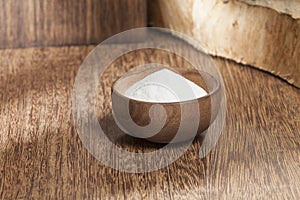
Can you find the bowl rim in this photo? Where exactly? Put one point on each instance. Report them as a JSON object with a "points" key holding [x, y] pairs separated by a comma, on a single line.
{"points": [[211, 93]]}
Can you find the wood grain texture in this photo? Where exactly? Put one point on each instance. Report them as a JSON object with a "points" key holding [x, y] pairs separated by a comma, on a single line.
{"points": [[255, 35], [290, 7], [32, 23], [41, 155]]}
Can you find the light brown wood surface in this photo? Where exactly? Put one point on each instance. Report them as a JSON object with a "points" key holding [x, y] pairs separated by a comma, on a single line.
{"points": [[264, 35], [41, 155], [289, 7], [28, 23]]}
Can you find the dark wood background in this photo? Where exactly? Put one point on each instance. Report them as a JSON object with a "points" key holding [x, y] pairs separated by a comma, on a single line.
{"points": [[41, 155], [28, 23]]}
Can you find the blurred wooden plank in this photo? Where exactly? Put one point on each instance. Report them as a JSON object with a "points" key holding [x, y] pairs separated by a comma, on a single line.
{"points": [[37, 23], [41, 155]]}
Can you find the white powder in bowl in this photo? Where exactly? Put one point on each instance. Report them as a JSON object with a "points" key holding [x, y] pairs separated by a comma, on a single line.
{"points": [[165, 86]]}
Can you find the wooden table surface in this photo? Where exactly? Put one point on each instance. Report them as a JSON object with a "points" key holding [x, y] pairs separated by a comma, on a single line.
{"points": [[41, 155]]}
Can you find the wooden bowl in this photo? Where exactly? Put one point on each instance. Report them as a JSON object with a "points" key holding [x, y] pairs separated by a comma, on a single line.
{"points": [[167, 116]]}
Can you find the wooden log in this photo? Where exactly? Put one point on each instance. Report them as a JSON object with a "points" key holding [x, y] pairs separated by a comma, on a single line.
{"points": [[64, 22], [264, 35], [290, 7]]}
